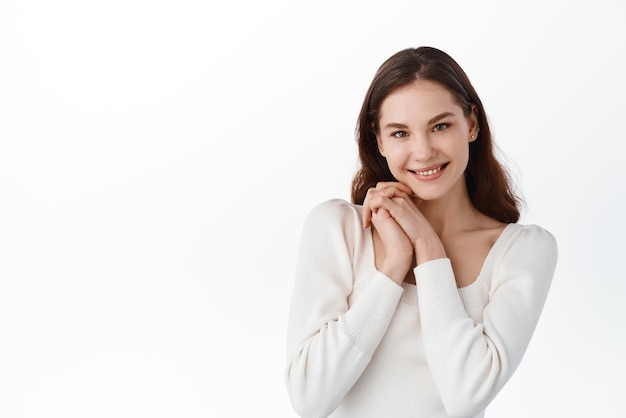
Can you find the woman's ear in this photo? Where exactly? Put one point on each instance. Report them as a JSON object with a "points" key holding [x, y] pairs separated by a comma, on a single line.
{"points": [[473, 124]]}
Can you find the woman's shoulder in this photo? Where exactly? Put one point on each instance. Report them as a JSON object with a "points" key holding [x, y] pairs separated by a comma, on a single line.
{"points": [[335, 220], [531, 233], [335, 210], [529, 241], [335, 224]]}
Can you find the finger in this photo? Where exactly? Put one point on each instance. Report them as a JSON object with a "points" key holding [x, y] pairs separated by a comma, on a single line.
{"points": [[381, 215], [401, 209], [367, 217], [388, 192], [406, 189], [380, 196], [388, 199], [367, 208], [397, 185], [403, 191], [394, 185]]}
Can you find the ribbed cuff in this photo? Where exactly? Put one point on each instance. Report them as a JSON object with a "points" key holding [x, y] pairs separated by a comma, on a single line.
{"points": [[368, 319], [439, 301]]}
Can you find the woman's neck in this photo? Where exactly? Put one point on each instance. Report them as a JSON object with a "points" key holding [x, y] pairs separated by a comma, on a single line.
{"points": [[452, 213]]}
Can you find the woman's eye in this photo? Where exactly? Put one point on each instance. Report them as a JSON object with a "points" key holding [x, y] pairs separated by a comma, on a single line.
{"points": [[399, 134], [440, 127]]}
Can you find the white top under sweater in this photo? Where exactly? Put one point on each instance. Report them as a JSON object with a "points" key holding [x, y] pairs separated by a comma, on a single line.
{"points": [[359, 345]]}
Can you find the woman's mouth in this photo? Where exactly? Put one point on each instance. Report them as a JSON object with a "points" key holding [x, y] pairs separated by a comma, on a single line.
{"points": [[430, 171]]}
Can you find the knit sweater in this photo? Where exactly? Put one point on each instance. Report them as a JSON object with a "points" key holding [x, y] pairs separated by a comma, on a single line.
{"points": [[359, 345]]}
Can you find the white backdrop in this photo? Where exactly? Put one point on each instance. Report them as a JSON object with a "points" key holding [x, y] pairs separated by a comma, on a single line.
{"points": [[157, 159]]}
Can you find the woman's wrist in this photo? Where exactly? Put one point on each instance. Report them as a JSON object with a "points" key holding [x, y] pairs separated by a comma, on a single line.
{"points": [[396, 271], [428, 249]]}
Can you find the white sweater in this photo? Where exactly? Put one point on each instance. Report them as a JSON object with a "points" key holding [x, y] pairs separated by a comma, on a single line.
{"points": [[359, 345]]}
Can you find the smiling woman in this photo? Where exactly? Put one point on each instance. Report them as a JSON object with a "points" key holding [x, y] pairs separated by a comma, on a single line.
{"points": [[411, 140], [420, 297]]}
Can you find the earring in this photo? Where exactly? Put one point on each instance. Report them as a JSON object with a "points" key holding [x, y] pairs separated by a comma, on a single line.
{"points": [[473, 136]]}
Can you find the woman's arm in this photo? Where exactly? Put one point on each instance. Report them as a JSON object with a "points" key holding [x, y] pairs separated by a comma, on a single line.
{"points": [[331, 343], [471, 362]]}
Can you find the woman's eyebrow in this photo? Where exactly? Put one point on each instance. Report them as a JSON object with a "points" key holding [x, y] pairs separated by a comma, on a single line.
{"points": [[439, 117], [396, 125]]}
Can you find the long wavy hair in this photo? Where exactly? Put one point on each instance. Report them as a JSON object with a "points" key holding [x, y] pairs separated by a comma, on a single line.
{"points": [[488, 184]]}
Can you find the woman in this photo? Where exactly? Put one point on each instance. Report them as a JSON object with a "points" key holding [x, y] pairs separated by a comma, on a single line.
{"points": [[419, 298]]}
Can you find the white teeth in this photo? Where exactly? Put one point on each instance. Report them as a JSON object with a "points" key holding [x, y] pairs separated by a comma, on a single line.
{"points": [[429, 172]]}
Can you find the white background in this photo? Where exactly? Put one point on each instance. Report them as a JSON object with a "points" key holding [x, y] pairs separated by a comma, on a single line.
{"points": [[157, 159]]}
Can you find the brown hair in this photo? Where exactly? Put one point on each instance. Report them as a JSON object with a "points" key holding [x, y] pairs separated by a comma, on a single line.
{"points": [[488, 183]]}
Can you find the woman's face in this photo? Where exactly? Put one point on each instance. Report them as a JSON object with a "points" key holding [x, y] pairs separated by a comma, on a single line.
{"points": [[425, 137]]}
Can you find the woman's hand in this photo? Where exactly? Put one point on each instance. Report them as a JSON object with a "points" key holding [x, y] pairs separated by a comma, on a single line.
{"points": [[397, 256], [376, 195], [397, 201]]}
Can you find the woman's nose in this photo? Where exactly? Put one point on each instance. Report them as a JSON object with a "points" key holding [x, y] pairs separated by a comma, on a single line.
{"points": [[422, 148]]}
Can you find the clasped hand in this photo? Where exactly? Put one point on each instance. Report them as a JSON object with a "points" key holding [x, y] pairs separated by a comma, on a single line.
{"points": [[405, 233]]}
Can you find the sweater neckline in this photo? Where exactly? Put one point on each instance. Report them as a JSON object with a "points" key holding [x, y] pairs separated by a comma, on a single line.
{"points": [[496, 252]]}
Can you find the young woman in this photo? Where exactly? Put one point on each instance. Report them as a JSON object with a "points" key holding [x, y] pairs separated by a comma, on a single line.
{"points": [[419, 298]]}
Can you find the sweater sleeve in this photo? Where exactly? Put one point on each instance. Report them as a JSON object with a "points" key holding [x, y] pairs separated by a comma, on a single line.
{"points": [[471, 362], [329, 343]]}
